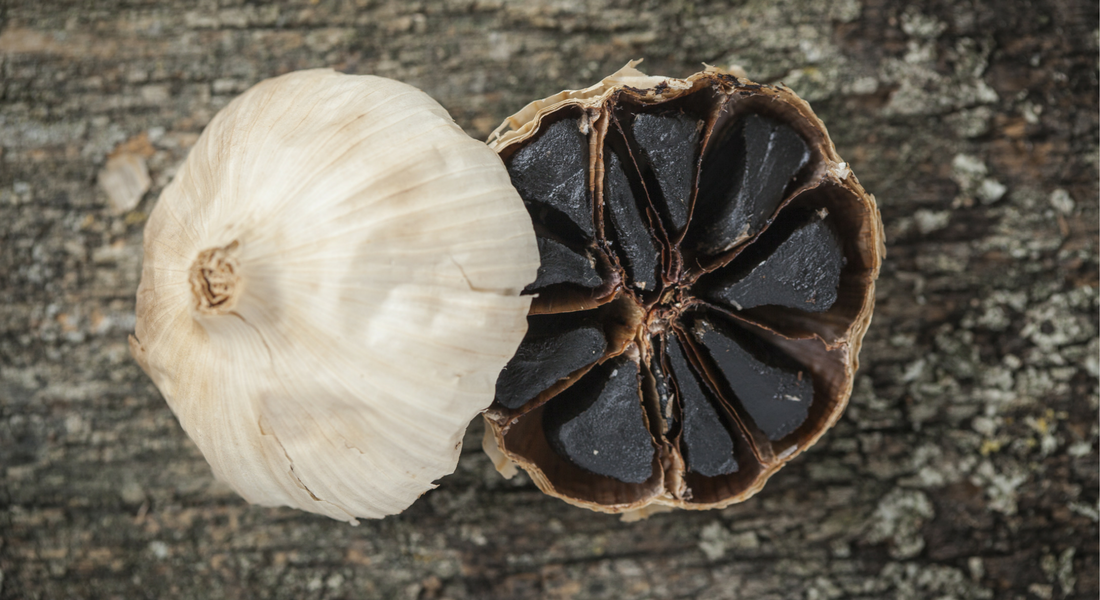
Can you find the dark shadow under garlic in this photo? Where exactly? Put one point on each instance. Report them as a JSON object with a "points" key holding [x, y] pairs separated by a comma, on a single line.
{"points": [[708, 268]]}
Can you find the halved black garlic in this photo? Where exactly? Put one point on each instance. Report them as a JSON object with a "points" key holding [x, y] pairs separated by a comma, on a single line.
{"points": [[708, 268]]}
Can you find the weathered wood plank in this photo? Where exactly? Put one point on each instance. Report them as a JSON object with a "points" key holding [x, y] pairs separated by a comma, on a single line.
{"points": [[966, 466]]}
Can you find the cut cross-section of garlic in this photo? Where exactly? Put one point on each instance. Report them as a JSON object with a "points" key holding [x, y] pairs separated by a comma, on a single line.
{"points": [[323, 302], [709, 271]]}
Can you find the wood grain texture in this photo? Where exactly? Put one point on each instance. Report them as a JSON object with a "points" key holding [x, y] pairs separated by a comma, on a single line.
{"points": [[965, 467]]}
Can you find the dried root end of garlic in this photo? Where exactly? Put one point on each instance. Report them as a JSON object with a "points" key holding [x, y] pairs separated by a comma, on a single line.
{"points": [[707, 275], [323, 302]]}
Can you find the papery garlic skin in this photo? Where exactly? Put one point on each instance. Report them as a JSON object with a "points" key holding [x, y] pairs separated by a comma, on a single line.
{"points": [[330, 289]]}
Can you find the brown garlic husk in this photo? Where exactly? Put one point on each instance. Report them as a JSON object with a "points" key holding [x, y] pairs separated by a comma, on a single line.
{"points": [[699, 236]]}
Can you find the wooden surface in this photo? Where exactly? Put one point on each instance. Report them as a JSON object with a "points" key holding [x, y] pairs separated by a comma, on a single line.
{"points": [[966, 466]]}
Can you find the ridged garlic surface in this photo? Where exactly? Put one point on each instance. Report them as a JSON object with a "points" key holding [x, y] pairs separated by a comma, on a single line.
{"points": [[331, 285]]}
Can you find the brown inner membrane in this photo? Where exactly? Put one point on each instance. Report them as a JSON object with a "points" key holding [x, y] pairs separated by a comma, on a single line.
{"points": [[698, 286]]}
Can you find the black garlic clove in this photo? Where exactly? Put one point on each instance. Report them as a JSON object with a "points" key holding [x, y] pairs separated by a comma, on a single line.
{"points": [[707, 444], [550, 175], [632, 234], [554, 348], [667, 145], [743, 180], [803, 273], [774, 390], [597, 423], [559, 264]]}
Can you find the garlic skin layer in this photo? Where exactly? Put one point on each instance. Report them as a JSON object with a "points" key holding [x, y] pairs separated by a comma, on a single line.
{"points": [[329, 290]]}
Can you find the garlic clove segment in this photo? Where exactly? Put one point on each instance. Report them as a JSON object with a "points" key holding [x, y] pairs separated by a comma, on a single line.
{"points": [[331, 286]]}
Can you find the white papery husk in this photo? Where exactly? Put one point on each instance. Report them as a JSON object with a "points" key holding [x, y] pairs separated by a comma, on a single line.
{"points": [[379, 254]]}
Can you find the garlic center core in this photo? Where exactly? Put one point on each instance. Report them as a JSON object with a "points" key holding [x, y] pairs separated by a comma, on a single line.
{"points": [[215, 280], [661, 316]]}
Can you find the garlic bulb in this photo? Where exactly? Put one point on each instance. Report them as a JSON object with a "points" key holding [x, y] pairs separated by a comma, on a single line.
{"points": [[708, 273], [331, 286]]}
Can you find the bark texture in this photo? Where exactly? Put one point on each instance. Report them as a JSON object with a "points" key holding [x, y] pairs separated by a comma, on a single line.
{"points": [[965, 467]]}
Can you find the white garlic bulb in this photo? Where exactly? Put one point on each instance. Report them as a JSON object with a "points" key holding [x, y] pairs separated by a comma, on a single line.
{"points": [[330, 289]]}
